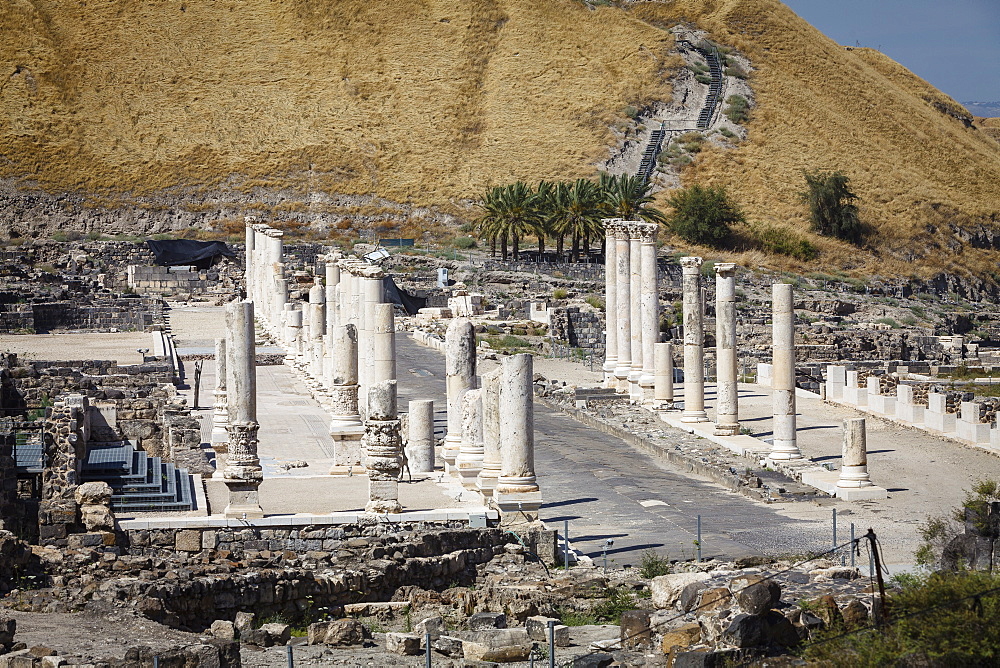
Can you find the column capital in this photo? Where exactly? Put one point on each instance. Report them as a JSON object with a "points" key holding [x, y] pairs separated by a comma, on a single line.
{"points": [[725, 269], [691, 264], [610, 225], [622, 231], [646, 232]]}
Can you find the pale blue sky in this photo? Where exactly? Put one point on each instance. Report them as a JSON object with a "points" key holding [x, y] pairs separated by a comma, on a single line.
{"points": [[953, 44]]}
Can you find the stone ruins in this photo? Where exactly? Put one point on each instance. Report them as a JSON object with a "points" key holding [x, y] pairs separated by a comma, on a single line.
{"points": [[429, 513]]}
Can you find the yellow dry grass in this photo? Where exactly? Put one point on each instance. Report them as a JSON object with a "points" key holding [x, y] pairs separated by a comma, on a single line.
{"points": [[916, 167], [428, 102], [422, 101]]}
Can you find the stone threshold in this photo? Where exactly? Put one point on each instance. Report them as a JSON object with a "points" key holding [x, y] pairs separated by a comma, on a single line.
{"points": [[471, 515]]}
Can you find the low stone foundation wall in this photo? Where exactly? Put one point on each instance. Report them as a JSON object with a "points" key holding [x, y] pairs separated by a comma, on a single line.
{"points": [[188, 578]]}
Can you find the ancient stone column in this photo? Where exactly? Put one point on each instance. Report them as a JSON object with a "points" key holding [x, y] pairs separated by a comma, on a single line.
{"points": [[243, 472], [293, 331], [460, 376], [220, 414], [516, 492], [623, 306], [663, 397], [342, 380], [332, 284], [727, 421], [635, 311], [610, 296], [487, 479], [783, 383], [370, 293], [854, 457], [649, 303], [469, 461], [420, 447], [249, 270], [694, 342], [317, 310], [383, 332], [382, 446]]}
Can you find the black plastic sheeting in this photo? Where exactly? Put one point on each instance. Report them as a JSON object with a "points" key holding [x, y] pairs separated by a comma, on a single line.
{"points": [[394, 295], [201, 254]]}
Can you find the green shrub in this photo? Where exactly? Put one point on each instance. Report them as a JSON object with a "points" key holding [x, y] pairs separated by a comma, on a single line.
{"points": [[691, 141], [737, 109], [888, 321], [652, 565], [909, 321], [703, 215], [595, 302], [831, 206], [560, 293], [736, 70], [464, 243], [727, 133], [935, 620], [783, 241], [631, 111], [703, 79]]}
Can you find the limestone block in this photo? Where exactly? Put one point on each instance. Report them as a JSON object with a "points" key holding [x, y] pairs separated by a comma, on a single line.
{"points": [[635, 631], [433, 625], [666, 589], [481, 621], [97, 518], [339, 633], [499, 645], [407, 644], [93, 493], [682, 636], [188, 540], [223, 629]]}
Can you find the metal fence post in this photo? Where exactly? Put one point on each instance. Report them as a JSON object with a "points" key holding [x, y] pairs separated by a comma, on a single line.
{"points": [[427, 656], [852, 544], [699, 539], [552, 643], [291, 656], [566, 544]]}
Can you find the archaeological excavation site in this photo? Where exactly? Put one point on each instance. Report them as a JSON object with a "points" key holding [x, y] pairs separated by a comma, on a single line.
{"points": [[481, 333], [273, 454]]}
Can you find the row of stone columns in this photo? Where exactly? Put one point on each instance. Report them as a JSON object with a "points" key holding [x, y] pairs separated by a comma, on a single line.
{"points": [[632, 307], [784, 446]]}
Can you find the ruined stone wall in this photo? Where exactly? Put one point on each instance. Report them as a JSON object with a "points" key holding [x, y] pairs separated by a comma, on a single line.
{"points": [[184, 443], [581, 329], [190, 577], [64, 448]]}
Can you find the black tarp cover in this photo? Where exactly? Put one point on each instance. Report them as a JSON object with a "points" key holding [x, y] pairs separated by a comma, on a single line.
{"points": [[396, 296], [177, 252]]}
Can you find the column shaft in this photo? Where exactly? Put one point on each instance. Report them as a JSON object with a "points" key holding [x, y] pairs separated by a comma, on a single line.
{"points": [[487, 479], [635, 312], [610, 295], [854, 460], [623, 306], [650, 309], [727, 391], [664, 390], [694, 342], [420, 446], [783, 384], [460, 376]]}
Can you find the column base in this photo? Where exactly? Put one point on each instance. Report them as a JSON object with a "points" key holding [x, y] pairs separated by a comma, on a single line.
{"points": [[244, 500], [781, 452], [517, 507], [486, 482], [468, 475], [694, 416], [347, 470], [449, 454], [726, 430], [862, 494], [348, 450], [854, 477]]}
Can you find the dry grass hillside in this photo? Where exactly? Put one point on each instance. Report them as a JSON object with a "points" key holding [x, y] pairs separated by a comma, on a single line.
{"points": [[927, 182], [417, 101], [427, 102]]}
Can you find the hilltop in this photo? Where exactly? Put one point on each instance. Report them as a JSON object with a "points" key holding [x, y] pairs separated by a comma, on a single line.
{"points": [[131, 117]]}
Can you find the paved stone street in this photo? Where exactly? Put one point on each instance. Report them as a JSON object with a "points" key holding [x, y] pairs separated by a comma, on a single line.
{"points": [[606, 489]]}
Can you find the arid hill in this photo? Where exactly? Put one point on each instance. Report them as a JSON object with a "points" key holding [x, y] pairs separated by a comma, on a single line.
{"points": [[351, 112]]}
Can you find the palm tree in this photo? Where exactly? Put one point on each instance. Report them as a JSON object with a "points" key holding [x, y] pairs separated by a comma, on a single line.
{"points": [[627, 197], [510, 212], [577, 211]]}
